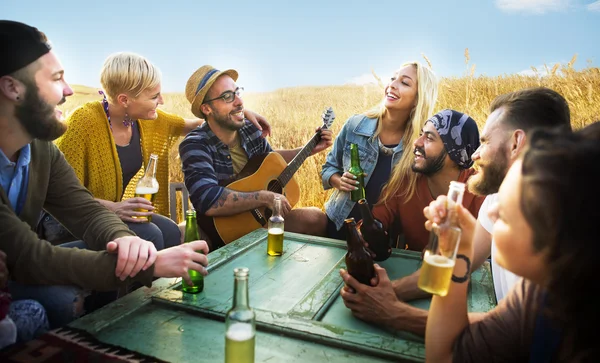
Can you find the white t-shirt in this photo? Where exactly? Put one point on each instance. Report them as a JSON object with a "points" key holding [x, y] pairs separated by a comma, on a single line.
{"points": [[503, 280]]}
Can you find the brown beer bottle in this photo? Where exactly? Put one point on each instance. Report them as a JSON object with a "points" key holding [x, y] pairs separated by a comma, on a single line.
{"points": [[373, 233], [359, 262]]}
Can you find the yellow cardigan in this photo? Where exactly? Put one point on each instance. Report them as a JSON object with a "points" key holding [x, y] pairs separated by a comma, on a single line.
{"points": [[90, 148]]}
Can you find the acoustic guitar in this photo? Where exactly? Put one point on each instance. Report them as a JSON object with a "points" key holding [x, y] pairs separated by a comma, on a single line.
{"points": [[262, 172]]}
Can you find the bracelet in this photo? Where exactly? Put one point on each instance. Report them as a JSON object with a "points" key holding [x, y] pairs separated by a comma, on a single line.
{"points": [[466, 276]]}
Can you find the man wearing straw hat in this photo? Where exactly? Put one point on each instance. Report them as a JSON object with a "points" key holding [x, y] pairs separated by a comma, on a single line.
{"points": [[221, 147]]}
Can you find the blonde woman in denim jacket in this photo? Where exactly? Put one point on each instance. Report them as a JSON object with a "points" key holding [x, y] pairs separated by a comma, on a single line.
{"points": [[381, 135]]}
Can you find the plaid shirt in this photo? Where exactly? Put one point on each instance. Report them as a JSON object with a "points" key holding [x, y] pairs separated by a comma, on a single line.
{"points": [[206, 161]]}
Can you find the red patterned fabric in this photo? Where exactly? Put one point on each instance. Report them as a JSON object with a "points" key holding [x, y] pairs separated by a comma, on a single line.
{"points": [[71, 345]]}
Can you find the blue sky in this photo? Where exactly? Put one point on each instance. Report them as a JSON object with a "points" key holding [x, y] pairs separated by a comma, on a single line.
{"points": [[277, 44]]}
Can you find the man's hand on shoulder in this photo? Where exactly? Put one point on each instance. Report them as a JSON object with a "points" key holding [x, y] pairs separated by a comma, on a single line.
{"points": [[135, 255], [259, 121]]}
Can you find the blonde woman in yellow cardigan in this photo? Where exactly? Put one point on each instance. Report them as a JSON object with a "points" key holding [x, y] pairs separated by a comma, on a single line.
{"points": [[109, 142]]}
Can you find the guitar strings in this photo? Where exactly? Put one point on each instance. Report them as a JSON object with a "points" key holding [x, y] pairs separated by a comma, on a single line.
{"points": [[276, 186]]}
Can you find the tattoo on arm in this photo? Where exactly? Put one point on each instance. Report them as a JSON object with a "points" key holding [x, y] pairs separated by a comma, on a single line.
{"points": [[222, 199], [250, 195], [236, 196]]}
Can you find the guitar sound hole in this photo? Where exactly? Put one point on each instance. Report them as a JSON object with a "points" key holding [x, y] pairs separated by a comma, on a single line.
{"points": [[275, 186]]}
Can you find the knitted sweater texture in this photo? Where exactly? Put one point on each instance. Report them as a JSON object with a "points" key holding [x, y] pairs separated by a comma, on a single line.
{"points": [[89, 146]]}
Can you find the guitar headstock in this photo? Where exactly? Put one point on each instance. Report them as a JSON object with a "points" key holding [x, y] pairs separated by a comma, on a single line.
{"points": [[328, 116]]}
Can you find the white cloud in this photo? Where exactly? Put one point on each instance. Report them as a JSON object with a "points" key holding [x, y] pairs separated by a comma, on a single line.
{"points": [[366, 78], [533, 6], [595, 6], [542, 71]]}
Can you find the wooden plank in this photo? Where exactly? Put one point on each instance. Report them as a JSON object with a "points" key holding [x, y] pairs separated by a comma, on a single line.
{"points": [[177, 336], [123, 307], [277, 283], [323, 333]]}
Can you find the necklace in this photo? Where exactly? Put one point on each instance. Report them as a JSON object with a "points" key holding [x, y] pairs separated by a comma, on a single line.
{"points": [[384, 149]]}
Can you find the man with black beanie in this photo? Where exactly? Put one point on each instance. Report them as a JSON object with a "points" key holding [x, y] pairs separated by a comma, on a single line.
{"points": [[34, 175]]}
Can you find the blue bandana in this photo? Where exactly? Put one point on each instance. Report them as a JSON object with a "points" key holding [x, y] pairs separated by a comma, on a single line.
{"points": [[459, 133]]}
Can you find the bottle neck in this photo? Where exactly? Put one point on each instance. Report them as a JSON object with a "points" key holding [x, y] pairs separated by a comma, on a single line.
{"points": [[190, 218], [352, 239], [277, 208], [365, 212], [455, 196], [240, 295], [151, 168], [354, 157], [191, 228]]}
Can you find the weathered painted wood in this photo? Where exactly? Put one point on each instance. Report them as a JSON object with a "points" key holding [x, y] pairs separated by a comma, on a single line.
{"points": [[177, 336], [300, 316]]}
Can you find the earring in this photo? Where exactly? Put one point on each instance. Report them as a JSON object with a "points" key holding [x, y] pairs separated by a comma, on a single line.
{"points": [[127, 121], [18, 98]]}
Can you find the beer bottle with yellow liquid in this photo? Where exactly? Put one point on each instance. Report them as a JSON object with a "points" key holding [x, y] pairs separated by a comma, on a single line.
{"points": [[240, 322], [191, 234], [147, 186], [358, 172], [275, 238], [359, 262], [440, 254], [373, 233]]}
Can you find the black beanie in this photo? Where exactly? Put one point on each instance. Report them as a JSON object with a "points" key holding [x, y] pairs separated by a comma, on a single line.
{"points": [[20, 45]]}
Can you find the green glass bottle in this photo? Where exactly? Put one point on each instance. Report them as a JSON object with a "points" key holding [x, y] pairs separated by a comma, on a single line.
{"points": [[240, 322], [191, 234], [357, 171]]}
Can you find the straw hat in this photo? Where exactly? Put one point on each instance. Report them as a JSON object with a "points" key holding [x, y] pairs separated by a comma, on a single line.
{"points": [[200, 82]]}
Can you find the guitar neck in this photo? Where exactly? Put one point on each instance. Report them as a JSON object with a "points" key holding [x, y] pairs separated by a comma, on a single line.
{"points": [[295, 164]]}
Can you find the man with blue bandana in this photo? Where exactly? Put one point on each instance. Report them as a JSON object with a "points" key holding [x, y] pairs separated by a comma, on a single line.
{"points": [[442, 154]]}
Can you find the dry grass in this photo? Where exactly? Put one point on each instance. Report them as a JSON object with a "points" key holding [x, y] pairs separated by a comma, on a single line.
{"points": [[294, 113]]}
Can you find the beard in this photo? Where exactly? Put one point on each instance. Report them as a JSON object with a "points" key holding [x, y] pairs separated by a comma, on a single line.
{"points": [[489, 177], [432, 165], [37, 117], [224, 119]]}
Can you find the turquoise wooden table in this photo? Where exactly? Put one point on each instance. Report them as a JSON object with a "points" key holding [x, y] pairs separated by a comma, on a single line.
{"points": [[300, 315]]}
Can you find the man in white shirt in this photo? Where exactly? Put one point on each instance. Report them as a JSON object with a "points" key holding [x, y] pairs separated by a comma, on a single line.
{"points": [[513, 116], [503, 279]]}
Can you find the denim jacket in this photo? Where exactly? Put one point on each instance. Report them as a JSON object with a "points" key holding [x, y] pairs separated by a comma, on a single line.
{"points": [[358, 129]]}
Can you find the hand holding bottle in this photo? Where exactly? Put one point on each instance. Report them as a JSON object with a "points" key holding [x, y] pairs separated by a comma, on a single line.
{"points": [[437, 211], [285, 204], [177, 260], [347, 182], [444, 239], [128, 209]]}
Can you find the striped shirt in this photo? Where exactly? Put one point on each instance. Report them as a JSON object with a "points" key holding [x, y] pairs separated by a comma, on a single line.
{"points": [[206, 162]]}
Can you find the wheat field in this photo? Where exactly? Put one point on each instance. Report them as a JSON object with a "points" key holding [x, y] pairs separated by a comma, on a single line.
{"points": [[294, 113]]}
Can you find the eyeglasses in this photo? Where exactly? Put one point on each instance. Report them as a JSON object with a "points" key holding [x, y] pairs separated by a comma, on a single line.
{"points": [[228, 96]]}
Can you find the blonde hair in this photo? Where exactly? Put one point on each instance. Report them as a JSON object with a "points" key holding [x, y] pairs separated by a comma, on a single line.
{"points": [[128, 73], [402, 174]]}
